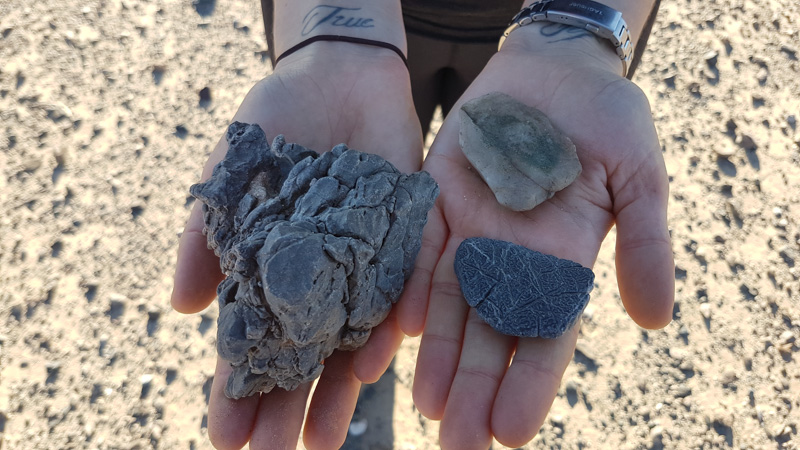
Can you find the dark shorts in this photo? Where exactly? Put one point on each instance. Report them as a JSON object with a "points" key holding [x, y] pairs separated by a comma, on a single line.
{"points": [[441, 71]]}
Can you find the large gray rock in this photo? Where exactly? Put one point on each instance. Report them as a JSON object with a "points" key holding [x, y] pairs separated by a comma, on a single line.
{"points": [[519, 291], [517, 151], [316, 249]]}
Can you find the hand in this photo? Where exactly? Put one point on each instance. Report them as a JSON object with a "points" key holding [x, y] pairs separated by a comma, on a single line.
{"points": [[463, 376], [326, 94]]}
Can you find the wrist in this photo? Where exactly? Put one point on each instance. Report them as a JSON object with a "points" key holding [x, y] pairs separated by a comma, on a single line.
{"points": [[298, 20], [333, 57], [562, 44]]}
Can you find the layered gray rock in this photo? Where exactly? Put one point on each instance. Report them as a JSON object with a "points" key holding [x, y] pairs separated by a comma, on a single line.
{"points": [[519, 291], [316, 249], [523, 158]]}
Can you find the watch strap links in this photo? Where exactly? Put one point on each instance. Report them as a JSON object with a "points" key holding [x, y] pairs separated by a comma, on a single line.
{"points": [[597, 18]]}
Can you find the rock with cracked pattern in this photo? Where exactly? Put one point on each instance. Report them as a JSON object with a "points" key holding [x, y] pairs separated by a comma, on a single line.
{"points": [[519, 291], [523, 158], [315, 249]]}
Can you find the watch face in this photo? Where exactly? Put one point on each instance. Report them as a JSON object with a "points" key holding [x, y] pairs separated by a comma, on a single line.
{"points": [[585, 9]]}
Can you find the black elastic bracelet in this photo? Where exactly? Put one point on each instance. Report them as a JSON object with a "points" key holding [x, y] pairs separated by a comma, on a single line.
{"points": [[352, 40]]}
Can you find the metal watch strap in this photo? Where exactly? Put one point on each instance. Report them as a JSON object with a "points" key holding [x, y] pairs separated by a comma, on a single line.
{"points": [[597, 18]]}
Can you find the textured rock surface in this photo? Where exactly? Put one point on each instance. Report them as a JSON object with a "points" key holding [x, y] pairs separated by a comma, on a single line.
{"points": [[517, 151], [522, 292], [316, 248]]}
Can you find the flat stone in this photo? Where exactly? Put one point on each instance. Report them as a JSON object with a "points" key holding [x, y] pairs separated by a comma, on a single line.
{"points": [[523, 158], [316, 249], [519, 291]]}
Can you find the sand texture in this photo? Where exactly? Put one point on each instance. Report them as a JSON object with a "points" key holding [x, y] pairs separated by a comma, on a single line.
{"points": [[109, 109]]}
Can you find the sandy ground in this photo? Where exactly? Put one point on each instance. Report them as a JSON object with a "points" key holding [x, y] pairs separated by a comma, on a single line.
{"points": [[103, 128]]}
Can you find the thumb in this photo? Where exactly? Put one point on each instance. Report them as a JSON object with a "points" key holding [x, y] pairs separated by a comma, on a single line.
{"points": [[645, 267]]}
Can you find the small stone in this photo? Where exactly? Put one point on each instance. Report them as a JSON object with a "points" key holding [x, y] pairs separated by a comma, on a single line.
{"points": [[657, 433], [711, 56], [517, 151], [777, 211], [724, 149], [705, 310], [557, 420], [682, 391], [679, 353], [762, 75], [786, 337], [728, 376], [522, 292], [358, 427], [746, 142]]}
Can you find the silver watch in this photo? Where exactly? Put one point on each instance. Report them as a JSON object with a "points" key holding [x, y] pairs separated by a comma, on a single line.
{"points": [[594, 17]]}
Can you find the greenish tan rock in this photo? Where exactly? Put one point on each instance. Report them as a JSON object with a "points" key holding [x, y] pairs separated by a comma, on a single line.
{"points": [[523, 158]]}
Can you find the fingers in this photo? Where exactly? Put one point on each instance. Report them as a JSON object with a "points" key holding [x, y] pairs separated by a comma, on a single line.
{"points": [[645, 267], [413, 304], [230, 422], [197, 272], [372, 360], [530, 386], [483, 362], [440, 346], [333, 404], [280, 418]]}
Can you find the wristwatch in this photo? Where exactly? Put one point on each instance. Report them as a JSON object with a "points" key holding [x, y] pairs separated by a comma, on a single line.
{"points": [[594, 17]]}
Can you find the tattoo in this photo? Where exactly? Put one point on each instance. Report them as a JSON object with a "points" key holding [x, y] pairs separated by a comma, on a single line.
{"points": [[335, 16], [560, 32]]}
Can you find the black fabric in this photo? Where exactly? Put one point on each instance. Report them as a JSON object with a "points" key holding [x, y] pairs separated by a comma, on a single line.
{"points": [[474, 21], [642, 42]]}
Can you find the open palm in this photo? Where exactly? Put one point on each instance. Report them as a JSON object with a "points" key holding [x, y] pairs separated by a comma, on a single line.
{"points": [[318, 98], [465, 372]]}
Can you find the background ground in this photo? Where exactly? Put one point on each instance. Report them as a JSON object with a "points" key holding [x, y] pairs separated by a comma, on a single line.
{"points": [[105, 122]]}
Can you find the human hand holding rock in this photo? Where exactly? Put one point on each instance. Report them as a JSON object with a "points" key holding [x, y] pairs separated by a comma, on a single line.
{"points": [[320, 96], [465, 372]]}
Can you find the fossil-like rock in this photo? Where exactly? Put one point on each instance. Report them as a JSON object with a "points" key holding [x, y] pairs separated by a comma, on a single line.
{"points": [[316, 248], [519, 291], [516, 150]]}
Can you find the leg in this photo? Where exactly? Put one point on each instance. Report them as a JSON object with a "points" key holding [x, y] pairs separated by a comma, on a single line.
{"points": [[427, 59]]}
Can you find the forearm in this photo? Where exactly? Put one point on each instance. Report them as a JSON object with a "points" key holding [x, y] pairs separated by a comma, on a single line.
{"points": [[294, 21]]}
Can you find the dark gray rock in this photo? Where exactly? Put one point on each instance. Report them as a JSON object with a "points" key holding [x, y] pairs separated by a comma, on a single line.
{"points": [[522, 292], [316, 249], [520, 155]]}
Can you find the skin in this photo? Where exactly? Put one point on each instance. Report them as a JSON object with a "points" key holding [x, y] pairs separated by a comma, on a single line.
{"points": [[479, 383]]}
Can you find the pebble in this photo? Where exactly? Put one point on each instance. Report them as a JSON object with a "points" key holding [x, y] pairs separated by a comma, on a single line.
{"points": [[777, 211], [678, 353], [358, 427], [746, 142], [724, 149], [786, 337], [728, 376], [657, 433], [762, 74], [705, 310]]}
